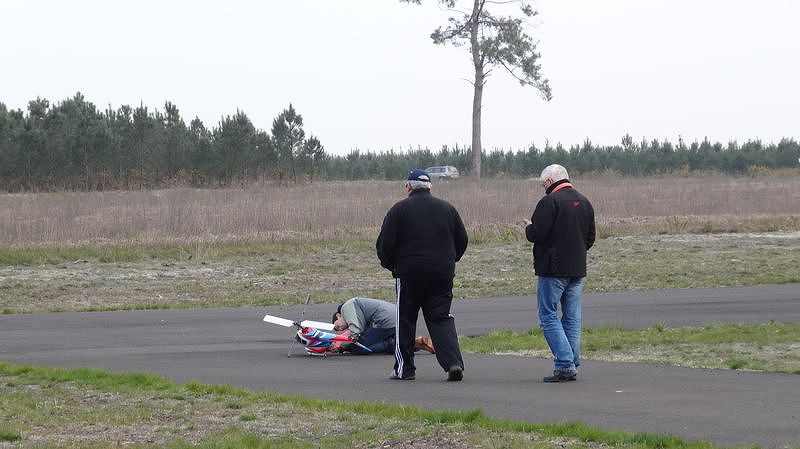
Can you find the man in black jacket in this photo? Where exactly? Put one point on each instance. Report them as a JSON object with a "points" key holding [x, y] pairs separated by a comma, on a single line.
{"points": [[421, 239], [562, 229]]}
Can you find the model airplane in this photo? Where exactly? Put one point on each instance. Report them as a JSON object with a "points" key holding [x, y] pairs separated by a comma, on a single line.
{"points": [[312, 334]]}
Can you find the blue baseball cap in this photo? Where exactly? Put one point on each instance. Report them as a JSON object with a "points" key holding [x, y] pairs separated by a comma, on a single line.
{"points": [[418, 174]]}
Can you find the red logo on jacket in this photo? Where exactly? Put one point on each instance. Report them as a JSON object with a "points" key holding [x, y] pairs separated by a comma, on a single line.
{"points": [[576, 203]]}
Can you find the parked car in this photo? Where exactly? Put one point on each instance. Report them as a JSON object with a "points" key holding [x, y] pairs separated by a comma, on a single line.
{"points": [[446, 172]]}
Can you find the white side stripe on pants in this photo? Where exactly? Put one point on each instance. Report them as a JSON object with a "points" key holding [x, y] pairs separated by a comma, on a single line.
{"points": [[397, 354]]}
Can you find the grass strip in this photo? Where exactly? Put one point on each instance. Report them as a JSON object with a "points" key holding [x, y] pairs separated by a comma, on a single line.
{"points": [[133, 252], [772, 346], [369, 422]]}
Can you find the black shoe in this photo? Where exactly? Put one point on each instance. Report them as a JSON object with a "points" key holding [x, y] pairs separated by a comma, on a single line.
{"points": [[562, 376], [394, 376], [455, 373]]}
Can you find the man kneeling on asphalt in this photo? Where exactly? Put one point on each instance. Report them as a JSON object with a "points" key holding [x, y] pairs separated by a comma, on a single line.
{"points": [[371, 322]]}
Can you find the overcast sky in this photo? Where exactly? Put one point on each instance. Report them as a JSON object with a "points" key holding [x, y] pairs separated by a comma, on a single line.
{"points": [[364, 74]]}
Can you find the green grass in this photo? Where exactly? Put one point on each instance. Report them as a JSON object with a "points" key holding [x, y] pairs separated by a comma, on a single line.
{"points": [[8, 434], [90, 376], [769, 346], [134, 252], [62, 402]]}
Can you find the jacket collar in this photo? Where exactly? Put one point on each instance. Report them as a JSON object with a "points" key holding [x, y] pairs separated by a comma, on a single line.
{"points": [[418, 191], [558, 185]]}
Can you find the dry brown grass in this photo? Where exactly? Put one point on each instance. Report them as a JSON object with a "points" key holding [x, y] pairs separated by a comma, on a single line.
{"points": [[343, 209]]}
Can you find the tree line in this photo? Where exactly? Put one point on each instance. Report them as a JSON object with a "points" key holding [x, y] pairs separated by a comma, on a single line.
{"points": [[72, 145]]}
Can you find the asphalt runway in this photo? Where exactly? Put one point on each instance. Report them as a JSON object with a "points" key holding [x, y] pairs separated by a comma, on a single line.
{"points": [[233, 346]]}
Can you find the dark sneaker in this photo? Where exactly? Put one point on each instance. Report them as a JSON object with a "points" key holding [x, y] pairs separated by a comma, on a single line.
{"points": [[394, 376], [562, 376], [455, 373]]}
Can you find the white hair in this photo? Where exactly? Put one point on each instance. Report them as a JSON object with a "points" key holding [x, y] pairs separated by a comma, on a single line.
{"points": [[419, 185], [554, 172]]}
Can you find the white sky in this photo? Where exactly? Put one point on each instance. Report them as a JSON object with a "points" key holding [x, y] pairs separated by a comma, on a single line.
{"points": [[364, 73]]}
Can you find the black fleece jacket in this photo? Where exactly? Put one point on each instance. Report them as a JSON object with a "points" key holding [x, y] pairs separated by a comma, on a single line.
{"points": [[421, 237], [562, 230]]}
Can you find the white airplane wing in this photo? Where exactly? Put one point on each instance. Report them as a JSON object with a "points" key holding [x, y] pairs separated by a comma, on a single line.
{"points": [[305, 323], [279, 321]]}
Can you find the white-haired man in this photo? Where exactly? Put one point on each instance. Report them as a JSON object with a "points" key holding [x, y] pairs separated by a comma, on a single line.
{"points": [[421, 239], [562, 229]]}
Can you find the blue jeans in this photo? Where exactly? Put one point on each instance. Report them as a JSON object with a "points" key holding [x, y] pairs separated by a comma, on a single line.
{"points": [[379, 341], [564, 335]]}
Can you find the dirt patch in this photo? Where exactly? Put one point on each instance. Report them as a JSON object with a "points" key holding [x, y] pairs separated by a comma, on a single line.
{"points": [[330, 273]]}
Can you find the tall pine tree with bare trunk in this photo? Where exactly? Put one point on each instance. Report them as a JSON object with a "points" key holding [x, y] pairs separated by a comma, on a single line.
{"points": [[493, 41]]}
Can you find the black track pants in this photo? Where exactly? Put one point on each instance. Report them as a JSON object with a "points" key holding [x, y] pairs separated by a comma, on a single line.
{"points": [[433, 296]]}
